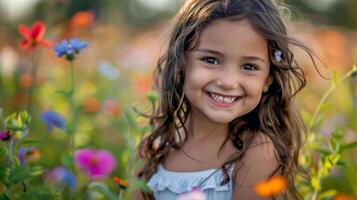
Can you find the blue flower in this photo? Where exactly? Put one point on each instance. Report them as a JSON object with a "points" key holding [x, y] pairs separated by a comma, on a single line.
{"points": [[53, 119], [108, 70], [59, 174], [69, 48]]}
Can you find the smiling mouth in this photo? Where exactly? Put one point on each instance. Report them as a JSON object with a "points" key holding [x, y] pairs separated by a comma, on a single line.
{"points": [[223, 98]]}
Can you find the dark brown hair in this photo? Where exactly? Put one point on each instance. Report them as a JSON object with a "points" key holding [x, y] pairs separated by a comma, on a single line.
{"points": [[274, 116]]}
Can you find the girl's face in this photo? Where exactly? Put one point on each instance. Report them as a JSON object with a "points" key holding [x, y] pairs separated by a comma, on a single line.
{"points": [[226, 74]]}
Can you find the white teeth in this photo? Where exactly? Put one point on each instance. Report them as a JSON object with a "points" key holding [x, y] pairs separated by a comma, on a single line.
{"points": [[222, 99]]}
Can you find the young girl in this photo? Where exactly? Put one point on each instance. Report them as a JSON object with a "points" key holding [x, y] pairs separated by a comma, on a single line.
{"points": [[226, 120]]}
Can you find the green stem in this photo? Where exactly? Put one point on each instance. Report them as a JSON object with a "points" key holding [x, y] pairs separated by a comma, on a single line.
{"points": [[121, 195], [10, 163], [325, 96], [72, 130], [316, 112], [11, 152], [33, 85]]}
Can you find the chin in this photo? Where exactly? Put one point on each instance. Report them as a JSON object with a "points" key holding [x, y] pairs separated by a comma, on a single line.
{"points": [[221, 119]]}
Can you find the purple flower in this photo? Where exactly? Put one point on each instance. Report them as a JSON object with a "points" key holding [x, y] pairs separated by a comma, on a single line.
{"points": [[69, 48], [195, 194], [5, 135], [28, 154], [61, 174], [278, 55], [53, 119], [96, 164]]}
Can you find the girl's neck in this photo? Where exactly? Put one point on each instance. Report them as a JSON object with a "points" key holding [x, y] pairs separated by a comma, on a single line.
{"points": [[201, 129]]}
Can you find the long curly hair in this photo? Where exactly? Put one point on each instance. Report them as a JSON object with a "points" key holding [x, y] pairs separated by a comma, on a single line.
{"points": [[275, 115]]}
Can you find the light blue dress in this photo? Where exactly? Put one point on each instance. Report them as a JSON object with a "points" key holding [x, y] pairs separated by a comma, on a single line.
{"points": [[168, 185]]}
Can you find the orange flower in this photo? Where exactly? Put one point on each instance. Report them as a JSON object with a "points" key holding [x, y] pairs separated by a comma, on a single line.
{"points": [[142, 83], [344, 197], [123, 184], [26, 81], [34, 36], [271, 187], [82, 19], [112, 108], [91, 105]]}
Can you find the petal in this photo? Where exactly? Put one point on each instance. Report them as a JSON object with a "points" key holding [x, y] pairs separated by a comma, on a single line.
{"points": [[25, 31], [277, 184], [45, 43], [24, 44], [38, 30], [263, 189]]}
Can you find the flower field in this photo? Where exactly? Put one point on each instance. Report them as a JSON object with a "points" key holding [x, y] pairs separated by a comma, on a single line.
{"points": [[74, 80]]}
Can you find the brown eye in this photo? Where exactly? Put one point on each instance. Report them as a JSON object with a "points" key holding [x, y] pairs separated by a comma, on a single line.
{"points": [[249, 67], [210, 60]]}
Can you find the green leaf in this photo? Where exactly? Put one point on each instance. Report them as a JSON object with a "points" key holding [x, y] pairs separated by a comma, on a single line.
{"points": [[103, 189], [318, 121], [141, 184], [130, 118], [354, 73], [25, 117], [306, 117], [64, 93], [334, 144], [29, 141], [3, 196], [34, 195], [322, 151], [21, 173], [12, 127], [67, 160], [1, 114], [334, 158], [348, 146], [3, 152], [337, 134], [327, 194], [4, 172], [325, 106], [341, 163]]}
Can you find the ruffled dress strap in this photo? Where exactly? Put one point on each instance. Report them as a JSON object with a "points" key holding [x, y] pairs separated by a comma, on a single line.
{"points": [[170, 184]]}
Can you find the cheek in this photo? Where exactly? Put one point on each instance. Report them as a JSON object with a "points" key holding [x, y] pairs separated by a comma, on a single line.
{"points": [[197, 77]]}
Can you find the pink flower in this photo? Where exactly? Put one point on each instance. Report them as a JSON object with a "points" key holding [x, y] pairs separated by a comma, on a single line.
{"points": [[195, 194], [96, 164]]}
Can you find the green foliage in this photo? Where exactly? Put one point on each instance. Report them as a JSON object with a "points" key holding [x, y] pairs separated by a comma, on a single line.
{"points": [[103, 189], [24, 173], [320, 158]]}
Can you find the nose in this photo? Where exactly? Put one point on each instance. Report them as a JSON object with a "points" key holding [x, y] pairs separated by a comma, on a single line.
{"points": [[228, 78]]}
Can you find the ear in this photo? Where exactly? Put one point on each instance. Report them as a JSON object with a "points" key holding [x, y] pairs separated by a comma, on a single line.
{"points": [[267, 83]]}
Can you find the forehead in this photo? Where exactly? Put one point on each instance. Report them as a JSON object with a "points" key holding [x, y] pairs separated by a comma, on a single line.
{"points": [[233, 37]]}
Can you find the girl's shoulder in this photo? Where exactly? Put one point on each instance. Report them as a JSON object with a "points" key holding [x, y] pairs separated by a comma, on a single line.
{"points": [[259, 162], [261, 150]]}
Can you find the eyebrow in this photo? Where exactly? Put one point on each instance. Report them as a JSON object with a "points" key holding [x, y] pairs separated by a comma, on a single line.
{"points": [[252, 58]]}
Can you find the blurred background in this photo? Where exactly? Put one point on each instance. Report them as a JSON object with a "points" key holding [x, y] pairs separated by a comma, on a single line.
{"points": [[126, 37]]}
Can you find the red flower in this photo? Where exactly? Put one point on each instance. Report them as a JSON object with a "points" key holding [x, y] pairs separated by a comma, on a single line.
{"points": [[33, 36], [123, 184]]}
